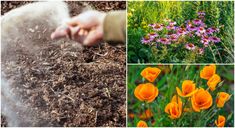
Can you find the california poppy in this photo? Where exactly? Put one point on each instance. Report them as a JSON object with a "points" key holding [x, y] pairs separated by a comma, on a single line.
{"points": [[174, 108], [146, 92], [220, 122], [208, 71], [222, 97], [142, 123], [201, 100], [150, 73], [146, 115], [213, 81], [188, 89]]}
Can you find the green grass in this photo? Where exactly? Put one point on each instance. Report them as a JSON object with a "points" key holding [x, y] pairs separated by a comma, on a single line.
{"points": [[218, 13], [170, 77]]}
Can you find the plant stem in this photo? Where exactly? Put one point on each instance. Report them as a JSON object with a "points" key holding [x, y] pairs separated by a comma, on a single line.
{"points": [[213, 54]]}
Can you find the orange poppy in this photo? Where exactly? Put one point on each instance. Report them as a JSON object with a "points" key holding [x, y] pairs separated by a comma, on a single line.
{"points": [[221, 121], [131, 115], [174, 108], [188, 89], [201, 100], [150, 73], [208, 71], [146, 92], [222, 97], [146, 115], [213, 81], [142, 123]]}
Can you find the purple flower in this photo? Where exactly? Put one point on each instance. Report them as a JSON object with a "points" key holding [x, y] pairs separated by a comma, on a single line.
{"points": [[151, 25], [205, 40], [191, 28], [173, 37], [164, 41], [181, 31], [201, 13], [214, 39], [203, 25], [153, 35], [190, 46], [158, 27], [201, 30], [170, 27], [214, 29], [209, 31], [147, 39], [197, 22]]}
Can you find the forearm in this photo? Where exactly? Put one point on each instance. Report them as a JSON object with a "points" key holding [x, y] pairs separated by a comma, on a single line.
{"points": [[115, 27]]}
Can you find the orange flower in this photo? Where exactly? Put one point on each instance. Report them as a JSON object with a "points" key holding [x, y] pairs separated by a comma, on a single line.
{"points": [[174, 108], [213, 81], [222, 97], [146, 115], [221, 121], [188, 89], [142, 123], [150, 73], [208, 71], [131, 115], [146, 92], [202, 99]]}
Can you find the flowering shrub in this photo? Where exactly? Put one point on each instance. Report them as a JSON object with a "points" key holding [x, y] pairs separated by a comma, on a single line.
{"points": [[195, 102]]}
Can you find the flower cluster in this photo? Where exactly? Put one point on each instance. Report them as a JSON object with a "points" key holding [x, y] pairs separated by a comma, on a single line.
{"points": [[188, 98], [200, 98], [194, 34], [147, 91]]}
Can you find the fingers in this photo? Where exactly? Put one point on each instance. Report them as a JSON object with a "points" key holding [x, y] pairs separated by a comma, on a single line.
{"points": [[93, 37], [85, 20], [59, 33]]}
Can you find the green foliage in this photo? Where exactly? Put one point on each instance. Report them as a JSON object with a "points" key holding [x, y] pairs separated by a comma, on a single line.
{"points": [[218, 13], [167, 81]]}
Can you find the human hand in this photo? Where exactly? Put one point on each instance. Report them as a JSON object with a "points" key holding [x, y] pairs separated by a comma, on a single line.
{"points": [[86, 28]]}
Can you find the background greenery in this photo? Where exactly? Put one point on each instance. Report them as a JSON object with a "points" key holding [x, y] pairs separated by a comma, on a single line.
{"points": [[141, 13], [170, 77]]}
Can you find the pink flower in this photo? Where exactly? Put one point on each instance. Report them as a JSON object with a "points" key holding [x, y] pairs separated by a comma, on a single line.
{"points": [[170, 27], [147, 39], [158, 27], [153, 35], [174, 37], [164, 41], [214, 39], [181, 31], [213, 29], [151, 25], [201, 30], [201, 13], [205, 40], [191, 27], [190, 46], [200, 51], [209, 31], [197, 22]]}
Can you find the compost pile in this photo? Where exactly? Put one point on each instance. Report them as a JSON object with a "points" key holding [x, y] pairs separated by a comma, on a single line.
{"points": [[62, 85]]}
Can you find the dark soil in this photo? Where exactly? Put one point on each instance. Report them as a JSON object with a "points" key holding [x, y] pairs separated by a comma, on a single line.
{"points": [[64, 86]]}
